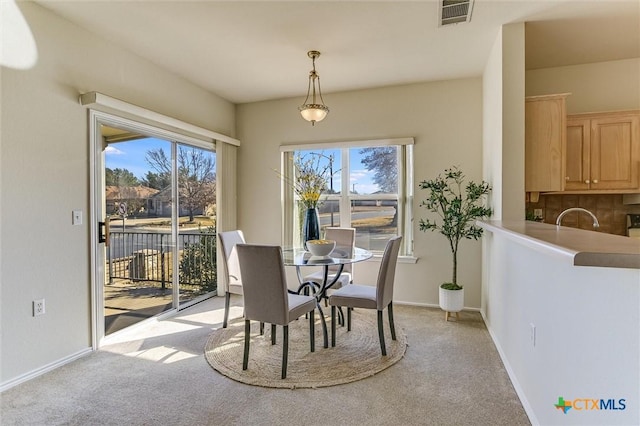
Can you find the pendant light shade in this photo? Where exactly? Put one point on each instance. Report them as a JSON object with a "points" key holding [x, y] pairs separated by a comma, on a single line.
{"points": [[313, 111]]}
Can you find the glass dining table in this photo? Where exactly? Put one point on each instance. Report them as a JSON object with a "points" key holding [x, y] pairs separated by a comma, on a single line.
{"points": [[340, 256]]}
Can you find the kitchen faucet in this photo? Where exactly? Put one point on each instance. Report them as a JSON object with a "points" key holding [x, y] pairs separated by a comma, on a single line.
{"points": [[596, 224]]}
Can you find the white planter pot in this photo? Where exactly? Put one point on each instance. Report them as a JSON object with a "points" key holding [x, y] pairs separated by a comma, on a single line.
{"points": [[451, 300]]}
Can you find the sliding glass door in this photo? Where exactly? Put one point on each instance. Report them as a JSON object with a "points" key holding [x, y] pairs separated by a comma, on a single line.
{"points": [[140, 251], [197, 228], [156, 249]]}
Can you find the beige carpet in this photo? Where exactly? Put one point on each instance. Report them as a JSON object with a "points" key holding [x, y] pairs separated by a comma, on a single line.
{"points": [[356, 355], [157, 374]]}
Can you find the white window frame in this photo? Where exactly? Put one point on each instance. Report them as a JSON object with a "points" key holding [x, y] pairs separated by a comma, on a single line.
{"points": [[404, 196]]}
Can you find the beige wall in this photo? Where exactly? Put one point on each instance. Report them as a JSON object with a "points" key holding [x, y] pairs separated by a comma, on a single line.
{"points": [[492, 125], [513, 122], [503, 123], [492, 147], [503, 132], [602, 86], [45, 175], [445, 118]]}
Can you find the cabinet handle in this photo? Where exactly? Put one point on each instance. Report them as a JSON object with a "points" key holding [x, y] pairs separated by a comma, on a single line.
{"points": [[566, 178], [595, 181], [587, 181]]}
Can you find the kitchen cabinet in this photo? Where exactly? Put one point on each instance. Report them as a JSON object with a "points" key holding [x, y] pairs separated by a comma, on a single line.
{"points": [[602, 151], [545, 135]]}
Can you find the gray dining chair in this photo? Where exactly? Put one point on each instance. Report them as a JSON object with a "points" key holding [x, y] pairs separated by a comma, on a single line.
{"points": [[267, 299], [345, 238], [370, 297], [228, 241]]}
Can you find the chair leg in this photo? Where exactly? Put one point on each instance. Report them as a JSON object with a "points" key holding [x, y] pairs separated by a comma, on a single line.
{"points": [[324, 325], [312, 330], [285, 350], [227, 299], [247, 333], [273, 334], [306, 293], [381, 334], [349, 319], [340, 316], [391, 324], [333, 326]]}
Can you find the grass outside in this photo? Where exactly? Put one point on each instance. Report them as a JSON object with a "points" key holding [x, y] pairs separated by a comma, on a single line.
{"points": [[374, 222], [162, 222]]}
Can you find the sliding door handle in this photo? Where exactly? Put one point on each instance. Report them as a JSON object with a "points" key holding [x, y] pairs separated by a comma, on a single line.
{"points": [[103, 232]]}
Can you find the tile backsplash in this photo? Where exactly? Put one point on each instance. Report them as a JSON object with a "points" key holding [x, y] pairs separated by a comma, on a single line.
{"points": [[608, 208]]}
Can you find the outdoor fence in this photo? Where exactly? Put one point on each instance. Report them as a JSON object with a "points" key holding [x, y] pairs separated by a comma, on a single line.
{"points": [[148, 256]]}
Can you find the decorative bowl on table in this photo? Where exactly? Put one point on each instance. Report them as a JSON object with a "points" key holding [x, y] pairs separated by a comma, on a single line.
{"points": [[321, 248]]}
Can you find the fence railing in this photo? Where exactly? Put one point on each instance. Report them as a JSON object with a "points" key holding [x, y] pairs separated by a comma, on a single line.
{"points": [[148, 256]]}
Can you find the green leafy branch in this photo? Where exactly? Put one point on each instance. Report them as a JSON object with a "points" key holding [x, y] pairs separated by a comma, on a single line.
{"points": [[458, 206]]}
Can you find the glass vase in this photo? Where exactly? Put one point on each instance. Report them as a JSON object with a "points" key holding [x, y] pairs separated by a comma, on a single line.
{"points": [[310, 226]]}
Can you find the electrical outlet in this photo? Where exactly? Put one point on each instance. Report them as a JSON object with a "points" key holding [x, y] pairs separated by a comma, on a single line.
{"points": [[532, 335], [38, 307]]}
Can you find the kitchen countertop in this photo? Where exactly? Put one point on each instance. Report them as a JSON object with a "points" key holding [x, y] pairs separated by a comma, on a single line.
{"points": [[584, 248]]}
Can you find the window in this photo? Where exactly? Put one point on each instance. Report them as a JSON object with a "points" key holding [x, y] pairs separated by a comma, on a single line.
{"points": [[369, 187]]}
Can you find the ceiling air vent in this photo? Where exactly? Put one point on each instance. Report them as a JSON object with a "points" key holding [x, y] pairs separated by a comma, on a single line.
{"points": [[455, 11]]}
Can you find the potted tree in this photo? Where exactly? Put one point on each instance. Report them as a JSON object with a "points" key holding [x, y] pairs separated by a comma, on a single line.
{"points": [[458, 206]]}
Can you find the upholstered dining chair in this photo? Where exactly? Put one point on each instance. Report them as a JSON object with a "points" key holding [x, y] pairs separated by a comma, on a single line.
{"points": [[267, 299], [370, 297], [228, 241], [345, 238]]}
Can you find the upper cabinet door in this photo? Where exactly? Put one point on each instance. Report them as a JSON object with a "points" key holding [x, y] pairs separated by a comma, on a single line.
{"points": [[578, 154], [545, 132], [615, 152]]}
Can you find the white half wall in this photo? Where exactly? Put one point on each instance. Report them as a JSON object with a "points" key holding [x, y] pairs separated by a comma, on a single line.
{"points": [[586, 343]]}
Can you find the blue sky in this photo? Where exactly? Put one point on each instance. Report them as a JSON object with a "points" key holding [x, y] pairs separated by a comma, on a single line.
{"points": [[359, 175], [131, 156]]}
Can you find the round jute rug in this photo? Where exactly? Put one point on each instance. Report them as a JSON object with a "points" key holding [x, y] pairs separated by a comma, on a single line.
{"points": [[356, 355]]}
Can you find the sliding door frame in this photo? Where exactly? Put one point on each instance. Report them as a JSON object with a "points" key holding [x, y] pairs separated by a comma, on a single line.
{"points": [[98, 212]]}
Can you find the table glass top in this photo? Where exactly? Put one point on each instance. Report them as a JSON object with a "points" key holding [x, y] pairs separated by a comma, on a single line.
{"points": [[339, 255]]}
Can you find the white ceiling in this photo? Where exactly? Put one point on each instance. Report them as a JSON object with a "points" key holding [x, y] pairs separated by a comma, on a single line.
{"points": [[250, 51]]}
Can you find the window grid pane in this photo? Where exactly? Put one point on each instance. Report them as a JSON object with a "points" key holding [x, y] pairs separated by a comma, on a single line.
{"points": [[376, 221], [374, 170]]}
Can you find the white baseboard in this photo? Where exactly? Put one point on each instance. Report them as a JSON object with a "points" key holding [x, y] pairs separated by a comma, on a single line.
{"points": [[431, 305], [44, 369], [514, 380]]}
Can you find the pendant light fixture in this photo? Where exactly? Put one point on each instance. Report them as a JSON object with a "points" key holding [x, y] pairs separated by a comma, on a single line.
{"points": [[313, 111]]}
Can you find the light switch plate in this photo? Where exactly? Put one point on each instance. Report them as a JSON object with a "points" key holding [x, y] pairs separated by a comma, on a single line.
{"points": [[76, 217]]}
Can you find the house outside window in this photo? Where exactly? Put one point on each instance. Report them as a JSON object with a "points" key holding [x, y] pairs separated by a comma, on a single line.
{"points": [[369, 188]]}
